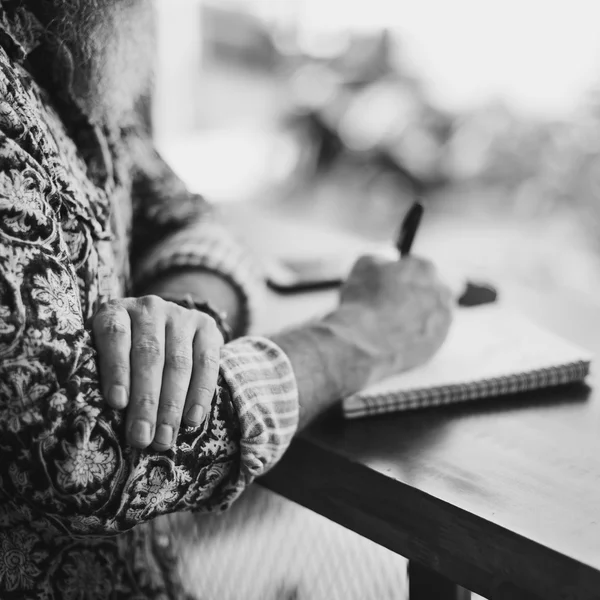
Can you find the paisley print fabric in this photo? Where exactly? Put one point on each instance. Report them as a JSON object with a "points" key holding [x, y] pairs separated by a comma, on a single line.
{"points": [[81, 209]]}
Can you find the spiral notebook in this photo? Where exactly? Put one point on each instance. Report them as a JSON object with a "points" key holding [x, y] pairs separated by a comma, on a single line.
{"points": [[490, 351]]}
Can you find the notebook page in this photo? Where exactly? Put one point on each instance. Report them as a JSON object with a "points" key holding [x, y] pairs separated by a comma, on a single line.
{"points": [[485, 342]]}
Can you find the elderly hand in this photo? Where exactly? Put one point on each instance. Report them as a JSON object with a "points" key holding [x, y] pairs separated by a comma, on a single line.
{"points": [[395, 313], [159, 360]]}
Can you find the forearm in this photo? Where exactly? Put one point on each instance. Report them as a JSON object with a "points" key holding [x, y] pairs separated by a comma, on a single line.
{"points": [[329, 363], [203, 286]]}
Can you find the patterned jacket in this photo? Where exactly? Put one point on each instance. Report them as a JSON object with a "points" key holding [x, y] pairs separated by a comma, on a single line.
{"points": [[88, 213]]}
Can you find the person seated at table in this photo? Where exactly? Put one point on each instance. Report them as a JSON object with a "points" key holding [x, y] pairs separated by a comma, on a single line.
{"points": [[123, 395]]}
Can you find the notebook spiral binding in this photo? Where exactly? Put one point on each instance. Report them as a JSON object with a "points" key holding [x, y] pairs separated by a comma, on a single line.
{"points": [[461, 392]]}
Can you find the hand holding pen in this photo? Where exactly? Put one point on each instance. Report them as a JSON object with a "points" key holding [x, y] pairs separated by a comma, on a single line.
{"points": [[397, 312]]}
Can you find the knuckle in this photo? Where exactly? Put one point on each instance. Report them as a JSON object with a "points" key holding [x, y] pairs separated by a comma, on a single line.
{"points": [[179, 360], [112, 324], [421, 271], [110, 306], [119, 373], [205, 322], [210, 336], [372, 259], [177, 316], [366, 263], [170, 410], [424, 265], [190, 318], [214, 336], [208, 360], [146, 403], [363, 261], [204, 391], [149, 348], [149, 303]]}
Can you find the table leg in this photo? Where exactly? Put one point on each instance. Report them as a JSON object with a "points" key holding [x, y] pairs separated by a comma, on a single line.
{"points": [[425, 584]]}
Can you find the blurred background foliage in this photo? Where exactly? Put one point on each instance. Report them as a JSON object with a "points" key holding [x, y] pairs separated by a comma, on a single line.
{"points": [[347, 110], [339, 113]]}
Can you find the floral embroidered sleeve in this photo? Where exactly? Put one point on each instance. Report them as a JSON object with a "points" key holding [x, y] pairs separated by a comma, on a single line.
{"points": [[174, 228], [62, 450]]}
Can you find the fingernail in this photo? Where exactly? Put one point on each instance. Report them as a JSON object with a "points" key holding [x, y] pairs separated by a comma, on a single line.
{"points": [[117, 396], [164, 435], [140, 432], [195, 414]]}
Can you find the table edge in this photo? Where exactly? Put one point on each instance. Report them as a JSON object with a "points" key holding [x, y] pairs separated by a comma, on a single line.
{"points": [[467, 549]]}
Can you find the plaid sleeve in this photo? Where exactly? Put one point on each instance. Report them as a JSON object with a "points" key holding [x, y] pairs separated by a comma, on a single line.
{"points": [[206, 245], [174, 228], [265, 396]]}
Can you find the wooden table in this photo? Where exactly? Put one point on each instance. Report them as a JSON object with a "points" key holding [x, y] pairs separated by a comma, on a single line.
{"points": [[501, 497]]}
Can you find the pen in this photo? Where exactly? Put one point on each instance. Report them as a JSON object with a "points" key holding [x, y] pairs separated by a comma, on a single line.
{"points": [[409, 227]]}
